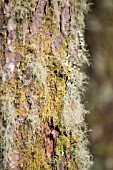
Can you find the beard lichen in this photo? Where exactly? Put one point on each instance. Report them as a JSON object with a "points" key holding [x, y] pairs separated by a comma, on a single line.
{"points": [[8, 117]]}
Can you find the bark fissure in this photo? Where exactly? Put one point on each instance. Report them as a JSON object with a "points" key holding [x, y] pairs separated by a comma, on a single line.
{"points": [[61, 23]]}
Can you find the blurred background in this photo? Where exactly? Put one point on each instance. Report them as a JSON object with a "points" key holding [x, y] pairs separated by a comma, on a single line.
{"points": [[99, 40]]}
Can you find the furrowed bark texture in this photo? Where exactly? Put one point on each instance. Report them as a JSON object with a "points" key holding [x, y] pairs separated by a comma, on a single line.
{"points": [[42, 116]]}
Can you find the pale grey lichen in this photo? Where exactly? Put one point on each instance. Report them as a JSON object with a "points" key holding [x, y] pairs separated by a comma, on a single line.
{"points": [[38, 69], [8, 117], [74, 111], [3, 75], [34, 127]]}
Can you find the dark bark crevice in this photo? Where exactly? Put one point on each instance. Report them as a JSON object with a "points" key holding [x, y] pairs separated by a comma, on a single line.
{"points": [[61, 23]]}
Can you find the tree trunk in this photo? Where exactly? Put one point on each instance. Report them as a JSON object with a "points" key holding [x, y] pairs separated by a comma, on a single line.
{"points": [[42, 51]]}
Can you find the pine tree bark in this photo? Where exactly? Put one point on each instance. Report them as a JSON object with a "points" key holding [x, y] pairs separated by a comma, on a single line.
{"points": [[41, 52]]}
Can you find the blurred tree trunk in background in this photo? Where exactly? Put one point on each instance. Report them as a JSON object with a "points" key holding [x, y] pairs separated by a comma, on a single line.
{"points": [[99, 36], [41, 52]]}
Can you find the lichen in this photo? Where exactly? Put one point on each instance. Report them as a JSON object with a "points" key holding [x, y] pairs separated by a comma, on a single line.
{"points": [[74, 111], [8, 118]]}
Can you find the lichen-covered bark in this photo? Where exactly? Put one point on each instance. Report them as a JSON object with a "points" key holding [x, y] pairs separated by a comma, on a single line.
{"points": [[42, 50]]}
